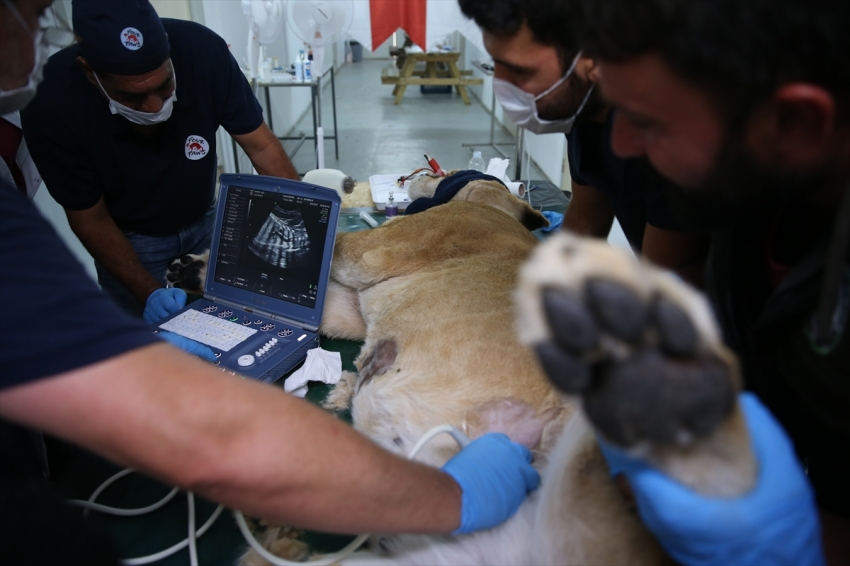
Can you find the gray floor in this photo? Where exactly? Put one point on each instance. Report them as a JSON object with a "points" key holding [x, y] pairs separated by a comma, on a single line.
{"points": [[377, 137]]}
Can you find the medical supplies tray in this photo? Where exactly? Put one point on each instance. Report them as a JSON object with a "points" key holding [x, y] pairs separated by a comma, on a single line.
{"points": [[382, 185]]}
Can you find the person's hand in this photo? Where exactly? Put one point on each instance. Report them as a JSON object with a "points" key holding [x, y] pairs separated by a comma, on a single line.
{"points": [[162, 303], [495, 476], [188, 346], [775, 523], [555, 220]]}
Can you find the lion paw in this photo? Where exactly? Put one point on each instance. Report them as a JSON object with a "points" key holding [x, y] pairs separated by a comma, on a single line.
{"points": [[639, 347], [188, 273]]}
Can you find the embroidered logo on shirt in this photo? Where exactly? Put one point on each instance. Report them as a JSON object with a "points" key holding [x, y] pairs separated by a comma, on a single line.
{"points": [[196, 147], [132, 39]]}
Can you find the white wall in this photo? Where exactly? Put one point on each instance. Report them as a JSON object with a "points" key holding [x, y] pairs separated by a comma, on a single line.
{"points": [[288, 104], [383, 51], [55, 214], [177, 9]]}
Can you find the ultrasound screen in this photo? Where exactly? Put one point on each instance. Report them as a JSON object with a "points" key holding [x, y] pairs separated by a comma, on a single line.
{"points": [[273, 244]]}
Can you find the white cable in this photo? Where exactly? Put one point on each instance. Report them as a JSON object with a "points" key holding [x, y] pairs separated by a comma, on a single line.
{"points": [[177, 547], [461, 439], [193, 541], [91, 505]]}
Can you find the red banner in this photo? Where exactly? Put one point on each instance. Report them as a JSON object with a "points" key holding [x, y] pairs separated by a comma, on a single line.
{"points": [[389, 15]]}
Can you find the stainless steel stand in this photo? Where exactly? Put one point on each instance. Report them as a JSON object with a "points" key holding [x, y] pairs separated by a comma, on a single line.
{"points": [[492, 142]]}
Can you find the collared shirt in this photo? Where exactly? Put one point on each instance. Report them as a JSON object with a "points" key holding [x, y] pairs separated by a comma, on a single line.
{"points": [[151, 184]]}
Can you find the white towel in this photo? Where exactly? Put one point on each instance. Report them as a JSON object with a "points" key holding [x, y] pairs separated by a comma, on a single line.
{"points": [[498, 168], [320, 365]]}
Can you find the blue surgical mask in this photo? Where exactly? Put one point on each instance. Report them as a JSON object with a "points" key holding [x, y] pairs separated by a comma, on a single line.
{"points": [[137, 116]]}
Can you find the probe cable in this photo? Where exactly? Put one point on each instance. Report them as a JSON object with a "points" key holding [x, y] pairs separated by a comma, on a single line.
{"points": [[191, 540], [326, 560]]}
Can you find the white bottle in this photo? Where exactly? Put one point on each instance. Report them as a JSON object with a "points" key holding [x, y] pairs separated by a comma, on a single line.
{"points": [[308, 70], [299, 66], [266, 70], [477, 162]]}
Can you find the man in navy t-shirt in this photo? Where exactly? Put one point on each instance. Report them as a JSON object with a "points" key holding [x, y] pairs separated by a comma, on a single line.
{"points": [[77, 367], [123, 131], [545, 85]]}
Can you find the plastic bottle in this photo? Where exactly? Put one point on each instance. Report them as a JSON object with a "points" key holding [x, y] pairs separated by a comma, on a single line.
{"points": [[266, 70], [299, 66], [391, 208], [308, 64], [477, 162]]}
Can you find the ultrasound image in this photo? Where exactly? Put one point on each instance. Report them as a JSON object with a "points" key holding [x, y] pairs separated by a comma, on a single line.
{"points": [[282, 240]]}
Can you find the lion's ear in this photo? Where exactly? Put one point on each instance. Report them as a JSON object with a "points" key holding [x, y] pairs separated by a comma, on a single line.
{"points": [[533, 219]]}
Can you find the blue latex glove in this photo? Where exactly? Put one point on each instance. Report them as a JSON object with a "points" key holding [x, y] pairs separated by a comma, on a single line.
{"points": [[162, 303], [555, 219], [495, 476], [776, 523], [188, 346]]}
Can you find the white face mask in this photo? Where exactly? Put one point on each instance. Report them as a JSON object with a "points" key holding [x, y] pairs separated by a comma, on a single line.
{"points": [[137, 116], [521, 107], [18, 98]]}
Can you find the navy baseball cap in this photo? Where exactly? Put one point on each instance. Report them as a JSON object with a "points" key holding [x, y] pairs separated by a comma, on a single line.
{"points": [[123, 37]]}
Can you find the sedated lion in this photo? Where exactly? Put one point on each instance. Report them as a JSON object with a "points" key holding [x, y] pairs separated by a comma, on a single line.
{"points": [[465, 319]]}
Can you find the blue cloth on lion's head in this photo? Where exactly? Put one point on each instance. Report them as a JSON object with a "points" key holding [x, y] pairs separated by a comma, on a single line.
{"points": [[447, 189], [122, 37]]}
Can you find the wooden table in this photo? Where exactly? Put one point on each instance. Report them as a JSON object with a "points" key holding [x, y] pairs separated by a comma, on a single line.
{"points": [[440, 69]]}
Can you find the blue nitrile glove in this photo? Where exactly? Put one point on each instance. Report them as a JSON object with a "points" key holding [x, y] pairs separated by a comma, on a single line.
{"points": [[188, 346], [555, 219], [162, 303], [495, 476], [775, 523]]}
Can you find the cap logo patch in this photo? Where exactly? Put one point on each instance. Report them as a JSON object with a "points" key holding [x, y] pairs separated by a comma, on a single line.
{"points": [[132, 39], [196, 148]]}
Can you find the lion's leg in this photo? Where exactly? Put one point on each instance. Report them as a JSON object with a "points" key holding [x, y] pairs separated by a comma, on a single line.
{"points": [[341, 317], [363, 259], [643, 352]]}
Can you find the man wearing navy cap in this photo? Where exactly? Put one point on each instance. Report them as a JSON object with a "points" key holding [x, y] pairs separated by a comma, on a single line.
{"points": [[76, 366], [123, 131]]}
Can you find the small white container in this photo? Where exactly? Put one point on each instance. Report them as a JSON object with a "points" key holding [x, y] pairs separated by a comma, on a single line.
{"points": [[383, 185]]}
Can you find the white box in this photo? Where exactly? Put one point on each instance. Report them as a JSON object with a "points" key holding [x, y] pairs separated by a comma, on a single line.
{"points": [[382, 185]]}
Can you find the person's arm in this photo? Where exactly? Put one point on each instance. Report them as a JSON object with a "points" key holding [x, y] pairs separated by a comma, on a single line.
{"points": [[681, 252], [107, 244], [242, 443], [266, 153], [588, 213]]}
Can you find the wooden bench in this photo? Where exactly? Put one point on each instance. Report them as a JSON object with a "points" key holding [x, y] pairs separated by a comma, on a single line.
{"points": [[440, 69]]}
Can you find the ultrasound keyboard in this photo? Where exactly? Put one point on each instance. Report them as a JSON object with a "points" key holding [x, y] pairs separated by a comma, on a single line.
{"points": [[244, 342], [213, 330]]}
